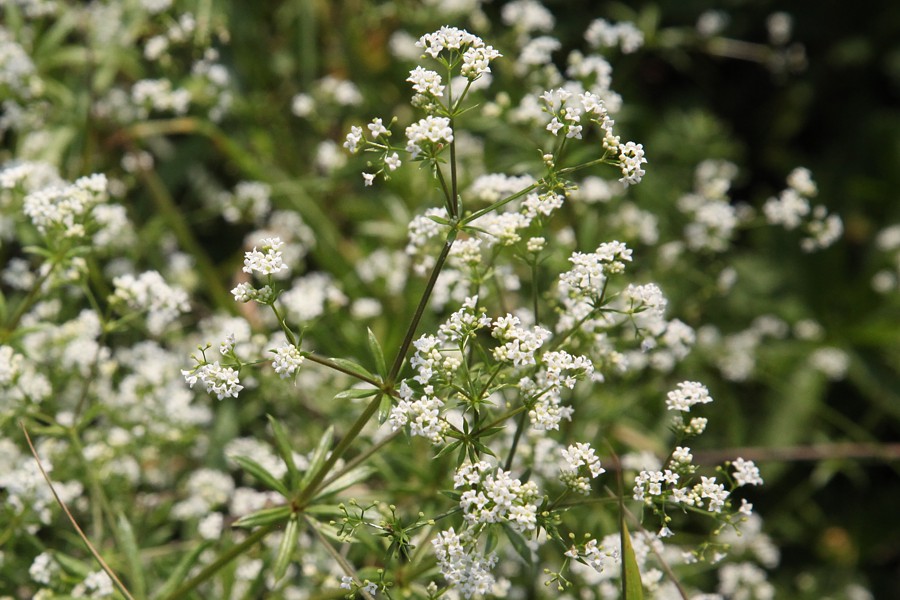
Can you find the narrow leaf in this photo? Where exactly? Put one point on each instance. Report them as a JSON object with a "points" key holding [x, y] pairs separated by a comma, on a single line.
{"points": [[384, 408], [632, 588], [128, 544], [180, 572], [283, 445], [377, 354], [352, 367], [264, 516], [259, 472], [319, 456], [346, 480], [518, 543], [355, 393], [286, 548]]}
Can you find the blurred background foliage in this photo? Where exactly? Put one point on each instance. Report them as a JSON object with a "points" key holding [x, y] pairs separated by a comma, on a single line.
{"points": [[827, 99]]}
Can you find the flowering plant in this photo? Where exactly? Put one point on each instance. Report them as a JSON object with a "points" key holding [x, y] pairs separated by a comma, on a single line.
{"points": [[476, 371]]}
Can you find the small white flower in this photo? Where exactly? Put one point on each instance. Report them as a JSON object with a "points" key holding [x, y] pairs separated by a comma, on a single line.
{"points": [[369, 178], [287, 360], [688, 394]]}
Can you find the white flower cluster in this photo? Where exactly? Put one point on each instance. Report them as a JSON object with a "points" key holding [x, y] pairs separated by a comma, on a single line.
{"points": [[464, 568], [595, 555], [587, 279], [476, 56], [601, 33], [519, 345], [157, 95], [436, 359], [287, 360], [496, 497], [664, 484], [266, 261], [425, 81], [714, 217], [17, 71], [310, 296], [559, 370], [421, 414], [218, 380], [251, 199], [149, 292], [688, 394], [430, 133], [746, 473], [631, 157], [792, 208], [579, 461], [66, 208]]}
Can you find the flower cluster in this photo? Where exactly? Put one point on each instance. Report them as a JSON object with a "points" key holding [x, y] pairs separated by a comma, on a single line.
{"points": [[580, 466], [218, 380], [792, 208], [149, 292], [495, 496]]}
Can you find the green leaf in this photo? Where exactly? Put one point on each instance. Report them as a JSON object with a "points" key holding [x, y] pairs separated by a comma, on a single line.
{"points": [[377, 354], [283, 445], [491, 541], [258, 471], [346, 480], [518, 543], [356, 393], [265, 516], [632, 588], [180, 572], [129, 546], [352, 367], [286, 548], [384, 408], [319, 456], [72, 566]]}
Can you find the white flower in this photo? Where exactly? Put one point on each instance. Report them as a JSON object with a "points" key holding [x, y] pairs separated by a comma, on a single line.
{"points": [[376, 128], [287, 360], [353, 139], [746, 473], [426, 81], [219, 380], [392, 162], [430, 130], [368, 178], [631, 157], [687, 395], [266, 261]]}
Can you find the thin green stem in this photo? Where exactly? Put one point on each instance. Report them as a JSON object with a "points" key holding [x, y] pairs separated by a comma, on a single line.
{"points": [[454, 189], [447, 192], [220, 562], [420, 309], [370, 410], [520, 427], [500, 203], [24, 305], [326, 362]]}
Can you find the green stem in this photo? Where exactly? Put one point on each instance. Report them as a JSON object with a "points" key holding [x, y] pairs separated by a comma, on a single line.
{"points": [[420, 309], [326, 362], [520, 426], [25, 304], [223, 559], [370, 410], [454, 189], [480, 213]]}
